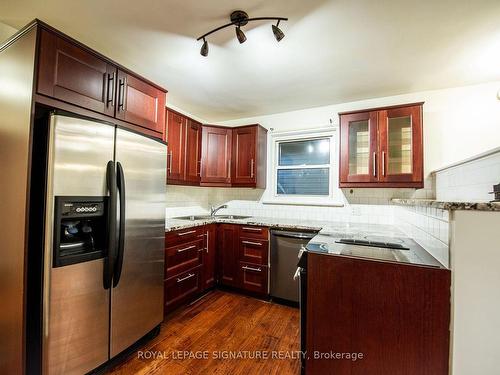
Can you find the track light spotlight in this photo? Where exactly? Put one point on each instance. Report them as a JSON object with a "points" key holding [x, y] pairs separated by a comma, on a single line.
{"points": [[204, 48], [278, 34], [240, 35]]}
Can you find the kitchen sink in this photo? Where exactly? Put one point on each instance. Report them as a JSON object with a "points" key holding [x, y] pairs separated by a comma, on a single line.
{"points": [[235, 217], [205, 217], [193, 217]]}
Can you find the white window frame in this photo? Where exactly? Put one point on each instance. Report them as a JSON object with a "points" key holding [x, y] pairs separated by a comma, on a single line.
{"points": [[333, 198]]}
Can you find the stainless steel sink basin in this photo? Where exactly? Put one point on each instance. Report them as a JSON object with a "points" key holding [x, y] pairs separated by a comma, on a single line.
{"points": [[205, 217], [235, 217], [193, 217]]}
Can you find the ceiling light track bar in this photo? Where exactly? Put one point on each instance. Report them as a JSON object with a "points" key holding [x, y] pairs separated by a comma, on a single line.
{"points": [[236, 23]]}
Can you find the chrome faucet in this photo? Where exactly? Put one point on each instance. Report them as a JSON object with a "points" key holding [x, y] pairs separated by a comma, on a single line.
{"points": [[213, 209]]}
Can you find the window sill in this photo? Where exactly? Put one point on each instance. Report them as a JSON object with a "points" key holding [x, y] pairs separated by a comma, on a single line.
{"points": [[298, 202]]}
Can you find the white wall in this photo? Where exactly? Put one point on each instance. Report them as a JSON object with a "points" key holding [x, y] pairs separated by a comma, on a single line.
{"points": [[475, 260], [458, 122], [5, 32]]}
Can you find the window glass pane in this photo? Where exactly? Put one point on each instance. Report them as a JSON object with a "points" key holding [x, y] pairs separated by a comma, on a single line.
{"points": [[359, 147], [303, 181], [310, 152], [399, 139]]}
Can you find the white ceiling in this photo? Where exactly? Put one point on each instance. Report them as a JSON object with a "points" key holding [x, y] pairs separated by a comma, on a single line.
{"points": [[334, 50]]}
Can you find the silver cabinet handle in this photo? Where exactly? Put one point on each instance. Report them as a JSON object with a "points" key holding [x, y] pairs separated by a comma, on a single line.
{"points": [[252, 163], [297, 274], [199, 163], [186, 249], [252, 229], [229, 168], [208, 239], [251, 269], [252, 243], [170, 156], [185, 278], [374, 164], [186, 233], [383, 163]]}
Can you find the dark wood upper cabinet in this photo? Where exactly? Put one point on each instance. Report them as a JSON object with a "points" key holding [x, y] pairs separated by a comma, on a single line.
{"points": [[216, 156], [140, 103], [227, 254], [176, 147], [193, 152], [72, 74], [249, 154], [80, 79], [382, 147]]}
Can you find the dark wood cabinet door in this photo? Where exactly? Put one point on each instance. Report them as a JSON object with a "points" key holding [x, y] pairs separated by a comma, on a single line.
{"points": [[193, 152], [227, 254], [243, 153], [209, 256], [216, 156], [176, 143], [184, 256], [358, 148], [181, 288], [74, 75], [140, 103], [397, 315], [253, 277], [401, 151]]}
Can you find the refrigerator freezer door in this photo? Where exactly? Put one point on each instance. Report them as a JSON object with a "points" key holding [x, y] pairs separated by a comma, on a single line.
{"points": [[137, 299], [76, 305]]}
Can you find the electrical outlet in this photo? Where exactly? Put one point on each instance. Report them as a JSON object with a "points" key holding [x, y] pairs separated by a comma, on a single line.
{"points": [[355, 211]]}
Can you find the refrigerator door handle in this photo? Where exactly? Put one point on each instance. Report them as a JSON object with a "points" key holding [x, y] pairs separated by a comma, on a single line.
{"points": [[111, 240], [121, 235]]}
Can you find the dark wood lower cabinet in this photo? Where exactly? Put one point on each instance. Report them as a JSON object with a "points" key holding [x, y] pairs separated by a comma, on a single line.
{"points": [[215, 254], [396, 316]]}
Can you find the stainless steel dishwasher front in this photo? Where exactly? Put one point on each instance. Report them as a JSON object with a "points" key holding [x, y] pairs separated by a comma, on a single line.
{"points": [[285, 246]]}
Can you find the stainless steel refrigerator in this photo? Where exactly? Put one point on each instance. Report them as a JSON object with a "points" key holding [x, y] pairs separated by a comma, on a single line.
{"points": [[104, 243]]}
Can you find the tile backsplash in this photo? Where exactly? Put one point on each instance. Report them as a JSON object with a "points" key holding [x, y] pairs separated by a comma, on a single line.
{"points": [[428, 226], [470, 180]]}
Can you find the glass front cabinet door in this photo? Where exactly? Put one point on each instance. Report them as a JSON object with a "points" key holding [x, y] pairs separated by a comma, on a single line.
{"points": [[382, 147]]}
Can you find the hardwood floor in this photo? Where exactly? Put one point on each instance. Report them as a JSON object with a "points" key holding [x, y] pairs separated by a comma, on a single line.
{"points": [[222, 324]]}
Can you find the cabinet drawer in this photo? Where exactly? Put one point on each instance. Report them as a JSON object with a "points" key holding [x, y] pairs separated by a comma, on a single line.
{"points": [[182, 288], [183, 235], [253, 278], [249, 231], [254, 251], [183, 256]]}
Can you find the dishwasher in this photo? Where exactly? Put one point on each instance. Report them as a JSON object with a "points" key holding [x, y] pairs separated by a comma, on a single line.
{"points": [[285, 247]]}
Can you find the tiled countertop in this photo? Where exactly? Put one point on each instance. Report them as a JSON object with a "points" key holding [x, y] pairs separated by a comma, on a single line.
{"points": [[470, 206]]}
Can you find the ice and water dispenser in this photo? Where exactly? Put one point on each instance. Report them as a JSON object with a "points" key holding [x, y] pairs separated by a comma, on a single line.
{"points": [[80, 231]]}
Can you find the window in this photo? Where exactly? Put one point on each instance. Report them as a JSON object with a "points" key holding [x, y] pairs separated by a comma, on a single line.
{"points": [[304, 167]]}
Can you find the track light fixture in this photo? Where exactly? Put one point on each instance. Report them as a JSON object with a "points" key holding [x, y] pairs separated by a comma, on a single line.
{"points": [[240, 18]]}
